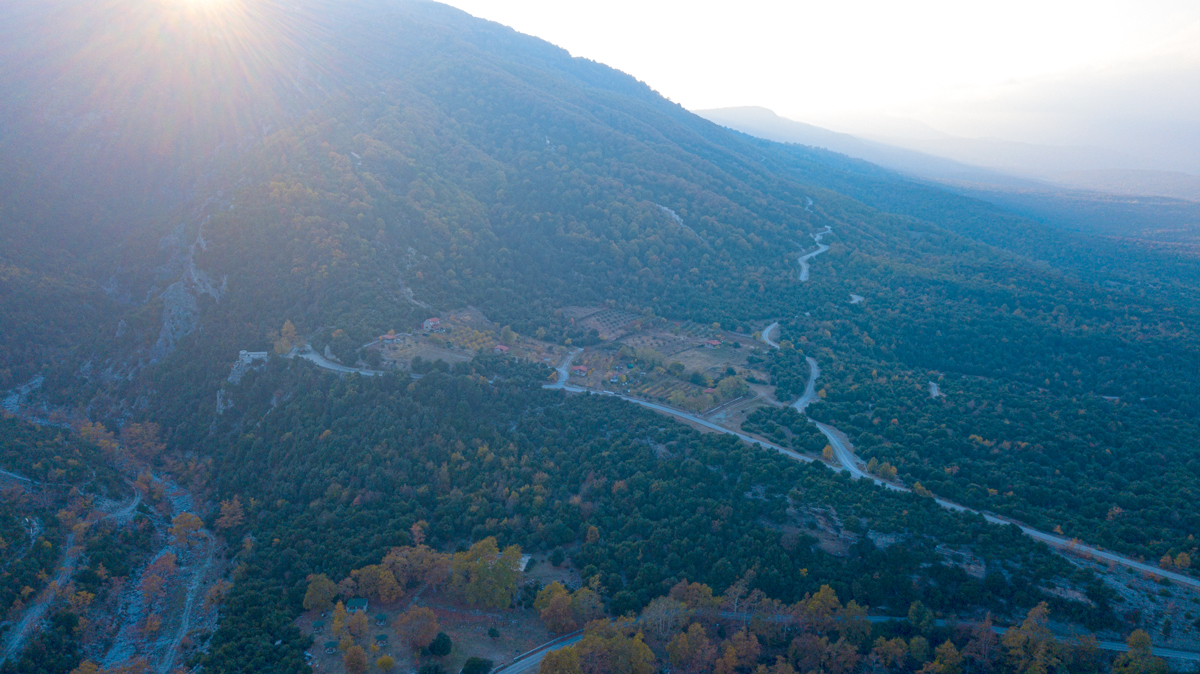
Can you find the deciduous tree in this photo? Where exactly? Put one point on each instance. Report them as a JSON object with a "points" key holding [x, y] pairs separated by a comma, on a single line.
{"points": [[562, 661], [232, 514], [320, 594], [355, 660], [417, 626], [1031, 648], [692, 651]]}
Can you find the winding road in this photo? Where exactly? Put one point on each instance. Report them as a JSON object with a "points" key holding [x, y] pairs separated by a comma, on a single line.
{"points": [[848, 462], [810, 389], [766, 335], [324, 363], [821, 248], [844, 453], [562, 385]]}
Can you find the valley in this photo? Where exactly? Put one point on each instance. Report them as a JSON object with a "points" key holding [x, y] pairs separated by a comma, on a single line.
{"points": [[390, 339]]}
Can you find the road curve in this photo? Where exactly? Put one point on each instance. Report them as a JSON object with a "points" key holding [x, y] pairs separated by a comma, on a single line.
{"points": [[321, 362], [810, 389], [562, 385], [821, 248], [849, 463], [766, 335]]}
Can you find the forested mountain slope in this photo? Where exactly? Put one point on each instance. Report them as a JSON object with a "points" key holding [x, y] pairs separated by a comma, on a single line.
{"points": [[181, 183]]}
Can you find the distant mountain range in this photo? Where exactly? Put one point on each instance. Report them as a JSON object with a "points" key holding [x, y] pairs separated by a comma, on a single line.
{"points": [[1007, 165]]}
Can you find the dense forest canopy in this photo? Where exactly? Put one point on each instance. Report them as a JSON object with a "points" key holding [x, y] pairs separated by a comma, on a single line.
{"points": [[334, 175]]}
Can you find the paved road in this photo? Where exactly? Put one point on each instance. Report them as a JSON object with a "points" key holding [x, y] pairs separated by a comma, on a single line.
{"points": [[531, 661], [766, 335], [845, 457], [321, 362], [810, 389], [562, 385], [848, 462], [821, 248], [22, 478]]}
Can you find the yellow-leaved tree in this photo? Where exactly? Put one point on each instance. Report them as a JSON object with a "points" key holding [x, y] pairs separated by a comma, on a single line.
{"points": [[321, 593], [484, 576], [287, 338]]}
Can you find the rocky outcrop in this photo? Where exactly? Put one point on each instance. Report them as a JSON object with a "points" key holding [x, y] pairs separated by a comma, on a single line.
{"points": [[181, 315]]}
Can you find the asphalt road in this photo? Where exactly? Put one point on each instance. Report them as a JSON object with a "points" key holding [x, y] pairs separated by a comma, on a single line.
{"points": [[848, 462], [766, 335], [321, 362], [821, 248]]}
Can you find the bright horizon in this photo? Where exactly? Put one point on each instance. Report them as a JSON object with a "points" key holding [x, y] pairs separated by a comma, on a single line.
{"points": [[1117, 74]]}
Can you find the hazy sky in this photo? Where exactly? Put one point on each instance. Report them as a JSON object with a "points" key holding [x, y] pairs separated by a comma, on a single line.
{"points": [[1063, 72]]}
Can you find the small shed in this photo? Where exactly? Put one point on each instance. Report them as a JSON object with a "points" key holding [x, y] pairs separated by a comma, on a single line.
{"points": [[331, 647], [380, 618], [381, 640], [318, 626]]}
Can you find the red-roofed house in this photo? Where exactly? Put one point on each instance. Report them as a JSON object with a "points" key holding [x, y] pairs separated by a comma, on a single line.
{"points": [[431, 323], [500, 348], [712, 343]]}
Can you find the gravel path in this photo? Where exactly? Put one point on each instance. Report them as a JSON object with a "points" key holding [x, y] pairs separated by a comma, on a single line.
{"points": [[34, 614]]}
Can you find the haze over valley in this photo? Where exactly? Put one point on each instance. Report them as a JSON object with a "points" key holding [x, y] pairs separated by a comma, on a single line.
{"points": [[376, 336]]}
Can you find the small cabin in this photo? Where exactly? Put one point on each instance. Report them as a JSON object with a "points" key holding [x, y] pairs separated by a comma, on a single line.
{"points": [[357, 604], [712, 343], [500, 348]]}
